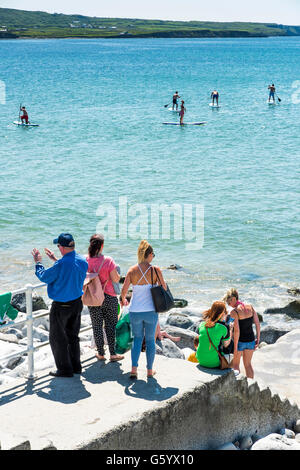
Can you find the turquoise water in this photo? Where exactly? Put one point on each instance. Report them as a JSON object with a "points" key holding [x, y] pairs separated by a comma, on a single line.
{"points": [[100, 106]]}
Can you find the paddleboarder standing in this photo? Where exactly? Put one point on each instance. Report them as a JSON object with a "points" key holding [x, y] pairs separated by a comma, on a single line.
{"points": [[182, 112], [175, 100], [215, 96], [25, 115], [272, 92]]}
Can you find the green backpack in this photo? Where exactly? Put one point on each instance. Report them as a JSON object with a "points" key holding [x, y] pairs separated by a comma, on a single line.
{"points": [[124, 336]]}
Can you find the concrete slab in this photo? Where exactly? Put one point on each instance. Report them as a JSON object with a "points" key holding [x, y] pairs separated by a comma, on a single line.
{"points": [[71, 412]]}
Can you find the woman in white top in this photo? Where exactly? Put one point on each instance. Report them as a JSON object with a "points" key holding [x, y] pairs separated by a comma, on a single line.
{"points": [[143, 317]]}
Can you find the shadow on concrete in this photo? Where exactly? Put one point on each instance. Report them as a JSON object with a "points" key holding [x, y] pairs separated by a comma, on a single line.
{"points": [[209, 371], [149, 389]]}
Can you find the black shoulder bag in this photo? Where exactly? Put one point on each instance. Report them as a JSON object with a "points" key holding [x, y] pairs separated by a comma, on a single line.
{"points": [[162, 299]]}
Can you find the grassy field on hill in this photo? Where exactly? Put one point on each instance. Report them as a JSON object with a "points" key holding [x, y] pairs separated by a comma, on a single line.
{"points": [[36, 24]]}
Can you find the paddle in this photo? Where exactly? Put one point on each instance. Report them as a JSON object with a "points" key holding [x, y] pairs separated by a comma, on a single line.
{"points": [[279, 100], [20, 112], [167, 105]]}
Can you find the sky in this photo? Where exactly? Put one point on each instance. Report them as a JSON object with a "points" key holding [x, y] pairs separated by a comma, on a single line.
{"points": [[273, 11]]}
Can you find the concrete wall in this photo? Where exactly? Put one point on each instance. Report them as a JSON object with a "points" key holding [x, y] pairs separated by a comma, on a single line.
{"points": [[220, 411]]}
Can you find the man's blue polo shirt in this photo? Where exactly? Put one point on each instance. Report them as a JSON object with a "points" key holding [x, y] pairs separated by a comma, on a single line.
{"points": [[65, 278]]}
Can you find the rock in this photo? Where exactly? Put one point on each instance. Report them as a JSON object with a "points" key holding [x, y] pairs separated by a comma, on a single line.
{"points": [[187, 336], [294, 291], [11, 442], [270, 335], [9, 338], [187, 352], [14, 331], [14, 362], [297, 426], [41, 444], [174, 267], [246, 443], [291, 310], [42, 322], [260, 317], [262, 345], [195, 326], [287, 433], [276, 442], [228, 446], [38, 334], [180, 303], [297, 438], [180, 320], [167, 348], [18, 301]]}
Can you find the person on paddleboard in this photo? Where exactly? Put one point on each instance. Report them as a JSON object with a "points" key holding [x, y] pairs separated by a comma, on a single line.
{"points": [[175, 101], [182, 112], [25, 115], [272, 92], [215, 97]]}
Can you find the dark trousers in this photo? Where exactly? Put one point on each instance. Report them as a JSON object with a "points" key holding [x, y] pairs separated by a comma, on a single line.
{"points": [[65, 321]]}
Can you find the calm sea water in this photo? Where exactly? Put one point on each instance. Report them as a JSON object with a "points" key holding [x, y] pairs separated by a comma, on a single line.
{"points": [[100, 106]]}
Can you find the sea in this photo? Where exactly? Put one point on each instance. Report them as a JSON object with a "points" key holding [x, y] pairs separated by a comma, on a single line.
{"points": [[102, 160]]}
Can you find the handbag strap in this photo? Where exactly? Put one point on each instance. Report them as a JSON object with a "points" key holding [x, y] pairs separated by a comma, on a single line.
{"points": [[158, 278], [212, 342]]}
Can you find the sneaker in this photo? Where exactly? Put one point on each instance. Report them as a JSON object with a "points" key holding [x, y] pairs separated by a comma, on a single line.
{"points": [[57, 373]]}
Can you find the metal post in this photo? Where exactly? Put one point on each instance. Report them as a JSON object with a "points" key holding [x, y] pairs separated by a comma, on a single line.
{"points": [[29, 319]]}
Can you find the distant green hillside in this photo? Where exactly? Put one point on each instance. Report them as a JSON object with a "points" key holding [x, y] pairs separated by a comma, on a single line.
{"points": [[38, 24]]}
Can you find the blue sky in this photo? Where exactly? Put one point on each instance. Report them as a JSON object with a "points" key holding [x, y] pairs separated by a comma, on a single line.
{"points": [[278, 11]]}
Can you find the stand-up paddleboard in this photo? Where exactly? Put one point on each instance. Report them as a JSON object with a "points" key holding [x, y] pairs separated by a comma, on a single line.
{"points": [[272, 103], [185, 123], [174, 110], [215, 106], [19, 123]]}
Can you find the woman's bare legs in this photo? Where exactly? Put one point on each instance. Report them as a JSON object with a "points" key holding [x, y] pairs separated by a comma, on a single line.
{"points": [[247, 357]]}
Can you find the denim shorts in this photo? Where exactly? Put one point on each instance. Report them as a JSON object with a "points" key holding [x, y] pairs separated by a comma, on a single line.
{"points": [[243, 346]]}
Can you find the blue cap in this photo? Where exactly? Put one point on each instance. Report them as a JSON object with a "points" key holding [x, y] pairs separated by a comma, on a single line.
{"points": [[65, 239]]}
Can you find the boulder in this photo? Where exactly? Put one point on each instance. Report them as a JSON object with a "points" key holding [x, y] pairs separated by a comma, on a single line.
{"points": [[18, 301], [287, 433], [270, 334], [14, 362], [174, 267], [14, 331], [167, 348], [39, 334], [9, 338], [246, 443], [297, 426], [195, 326], [297, 438], [43, 322], [180, 303], [228, 446], [187, 336], [276, 442], [180, 320], [294, 291], [291, 310]]}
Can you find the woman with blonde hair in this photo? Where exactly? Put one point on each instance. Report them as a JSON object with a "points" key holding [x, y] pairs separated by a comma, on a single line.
{"points": [[244, 340], [143, 317], [213, 333]]}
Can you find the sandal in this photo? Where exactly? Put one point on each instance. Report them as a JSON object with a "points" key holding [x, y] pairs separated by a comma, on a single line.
{"points": [[151, 375], [116, 358], [100, 358]]}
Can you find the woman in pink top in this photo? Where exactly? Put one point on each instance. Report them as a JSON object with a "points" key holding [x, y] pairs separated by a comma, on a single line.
{"points": [[108, 311]]}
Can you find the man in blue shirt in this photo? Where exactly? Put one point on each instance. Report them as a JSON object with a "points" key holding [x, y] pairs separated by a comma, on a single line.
{"points": [[65, 282]]}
